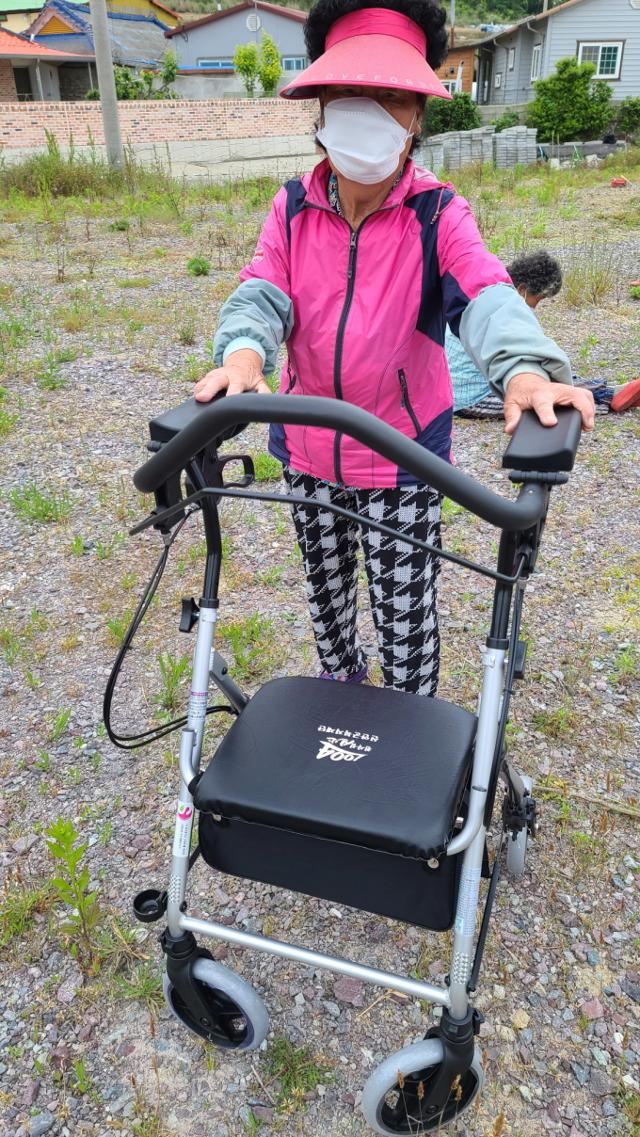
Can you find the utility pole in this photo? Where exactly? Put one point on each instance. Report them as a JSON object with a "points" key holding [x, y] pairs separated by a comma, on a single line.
{"points": [[106, 82]]}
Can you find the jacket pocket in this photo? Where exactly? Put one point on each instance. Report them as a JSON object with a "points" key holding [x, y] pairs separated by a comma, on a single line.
{"points": [[405, 401]]}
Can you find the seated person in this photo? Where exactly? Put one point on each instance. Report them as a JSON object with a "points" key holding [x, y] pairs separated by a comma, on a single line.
{"points": [[537, 276]]}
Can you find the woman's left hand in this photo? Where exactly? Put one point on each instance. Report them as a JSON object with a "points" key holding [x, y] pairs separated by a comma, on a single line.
{"points": [[529, 392]]}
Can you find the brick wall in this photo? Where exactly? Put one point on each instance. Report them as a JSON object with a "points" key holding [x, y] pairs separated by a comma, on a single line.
{"points": [[23, 125], [7, 82]]}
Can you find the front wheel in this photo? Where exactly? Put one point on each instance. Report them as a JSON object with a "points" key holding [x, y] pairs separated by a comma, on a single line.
{"points": [[237, 1017], [393, 1099]]}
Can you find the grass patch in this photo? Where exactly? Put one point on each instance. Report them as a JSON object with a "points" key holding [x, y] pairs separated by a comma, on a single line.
{"points": [[34, 504], [563, 722], [19, 908], [266, 467], [296, 1071]]}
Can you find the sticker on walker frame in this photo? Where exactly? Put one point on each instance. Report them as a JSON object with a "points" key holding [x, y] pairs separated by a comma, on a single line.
{"points": [[465, 923], [198, 704], [182, 838]]}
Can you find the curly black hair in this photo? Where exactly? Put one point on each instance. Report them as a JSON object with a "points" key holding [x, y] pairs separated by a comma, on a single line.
{"points": [[425, 13], [539, 273]]}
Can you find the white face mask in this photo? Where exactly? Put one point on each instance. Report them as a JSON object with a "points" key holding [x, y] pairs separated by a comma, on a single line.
{"points": [[363, 140]]}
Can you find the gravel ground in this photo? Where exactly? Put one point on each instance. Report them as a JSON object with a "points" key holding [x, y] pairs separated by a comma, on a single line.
{"points": [[86, 1046]]}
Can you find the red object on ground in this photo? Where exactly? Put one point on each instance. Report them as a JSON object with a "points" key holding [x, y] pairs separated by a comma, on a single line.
{"points": [[627, 398], [617, 182]]}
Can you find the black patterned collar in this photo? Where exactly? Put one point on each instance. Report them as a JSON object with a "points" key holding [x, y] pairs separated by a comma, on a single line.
{"points": [[334, 197]]}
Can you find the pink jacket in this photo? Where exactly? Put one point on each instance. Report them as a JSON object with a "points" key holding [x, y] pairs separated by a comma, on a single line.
{"points": [[369, 311]]}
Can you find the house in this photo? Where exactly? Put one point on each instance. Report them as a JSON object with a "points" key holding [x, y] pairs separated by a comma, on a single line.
{"points": [[137, 37], [205, 47], [32, 72], [603, 32], [16, 15]]}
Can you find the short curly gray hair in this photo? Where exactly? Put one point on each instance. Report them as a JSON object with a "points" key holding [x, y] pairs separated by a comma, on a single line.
{"points": [[539, 273]]}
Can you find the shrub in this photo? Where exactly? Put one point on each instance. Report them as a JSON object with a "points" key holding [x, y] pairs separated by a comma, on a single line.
{"points": [[627, 119], [634, 292], [245, 62], [509, 118], [199, 266], [459, 113], [570, 104]]}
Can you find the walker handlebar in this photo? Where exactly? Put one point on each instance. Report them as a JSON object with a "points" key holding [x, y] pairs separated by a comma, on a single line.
{"points": [[210, 420]]}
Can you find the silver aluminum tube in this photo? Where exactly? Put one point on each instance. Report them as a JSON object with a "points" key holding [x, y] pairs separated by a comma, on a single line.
{"points": [[413, 987], [493, 663]]}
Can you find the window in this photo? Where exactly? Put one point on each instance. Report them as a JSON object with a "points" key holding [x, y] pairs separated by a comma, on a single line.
{"points": [[216, 64], [511, 59], [294, 62], [497, 82], [450, 85], [23, 84], [536, 62], [607, 58]]}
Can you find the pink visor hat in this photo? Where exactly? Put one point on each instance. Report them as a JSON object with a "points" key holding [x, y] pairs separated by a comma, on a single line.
{"points": [[373, 47]]}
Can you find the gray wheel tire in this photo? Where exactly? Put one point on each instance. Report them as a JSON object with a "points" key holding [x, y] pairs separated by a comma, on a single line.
{"points": [[222, 979], [517, 850], [418, 1056]]}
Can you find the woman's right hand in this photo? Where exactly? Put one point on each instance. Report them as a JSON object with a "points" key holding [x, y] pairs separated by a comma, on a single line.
{"points": [[241, 371]]}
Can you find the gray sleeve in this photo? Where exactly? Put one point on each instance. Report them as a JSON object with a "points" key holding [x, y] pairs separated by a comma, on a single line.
{"points": [[257, 315], [503, 337]]}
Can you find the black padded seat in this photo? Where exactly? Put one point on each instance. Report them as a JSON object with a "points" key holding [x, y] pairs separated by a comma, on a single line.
{"points": [[374, 768]]}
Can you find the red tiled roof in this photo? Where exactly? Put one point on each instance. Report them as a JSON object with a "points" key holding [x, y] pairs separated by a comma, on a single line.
{"points": [[261, 5], [12, 44]]}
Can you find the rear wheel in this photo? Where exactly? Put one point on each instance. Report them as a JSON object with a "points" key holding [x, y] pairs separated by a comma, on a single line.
{"points": [[394, 1097], [518, 841]]}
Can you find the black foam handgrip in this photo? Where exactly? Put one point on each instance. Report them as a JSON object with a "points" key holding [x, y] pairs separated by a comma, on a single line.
{"points": [[547, 449], [215, 418]]}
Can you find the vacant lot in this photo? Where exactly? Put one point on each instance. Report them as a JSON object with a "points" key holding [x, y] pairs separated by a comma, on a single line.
{"points": [[101, 326]]}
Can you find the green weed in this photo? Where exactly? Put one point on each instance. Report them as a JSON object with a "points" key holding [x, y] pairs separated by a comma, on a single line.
{"points": [[626, 666], [142, 984], [72, 888], [59, 724], [172, 673], [252, 641], [34, 504]]}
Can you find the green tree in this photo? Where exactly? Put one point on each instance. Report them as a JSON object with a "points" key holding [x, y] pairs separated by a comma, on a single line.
{"points": [[269, 66], [459, 113], [570, 104], [247, 64]]}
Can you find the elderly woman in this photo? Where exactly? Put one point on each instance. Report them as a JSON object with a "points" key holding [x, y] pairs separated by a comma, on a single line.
{"points": [[359, 267]]}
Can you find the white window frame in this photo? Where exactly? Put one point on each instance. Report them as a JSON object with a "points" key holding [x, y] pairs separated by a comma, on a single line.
{"points": [[222, 63], [600, 44], [301, 59], [536, 62], [511, 59], [451, 85], [497, 80]]}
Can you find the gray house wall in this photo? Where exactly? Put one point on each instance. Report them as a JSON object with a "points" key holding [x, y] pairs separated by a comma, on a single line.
{"points": [[598, 20], [219, 39], [590, 21]]}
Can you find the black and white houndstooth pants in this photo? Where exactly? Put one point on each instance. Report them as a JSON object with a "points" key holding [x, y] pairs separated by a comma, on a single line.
{"points": [[402, 579]]}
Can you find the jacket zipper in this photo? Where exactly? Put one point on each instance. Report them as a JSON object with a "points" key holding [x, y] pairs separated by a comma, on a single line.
{"points": [[337, 364], [405, 402], [292, 377]]}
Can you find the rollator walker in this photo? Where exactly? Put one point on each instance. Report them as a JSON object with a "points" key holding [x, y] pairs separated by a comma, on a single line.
{"points": [[363, 796]]}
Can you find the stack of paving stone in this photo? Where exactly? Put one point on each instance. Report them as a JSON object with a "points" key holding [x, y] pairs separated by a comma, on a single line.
{"points": [[515, 147]]}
